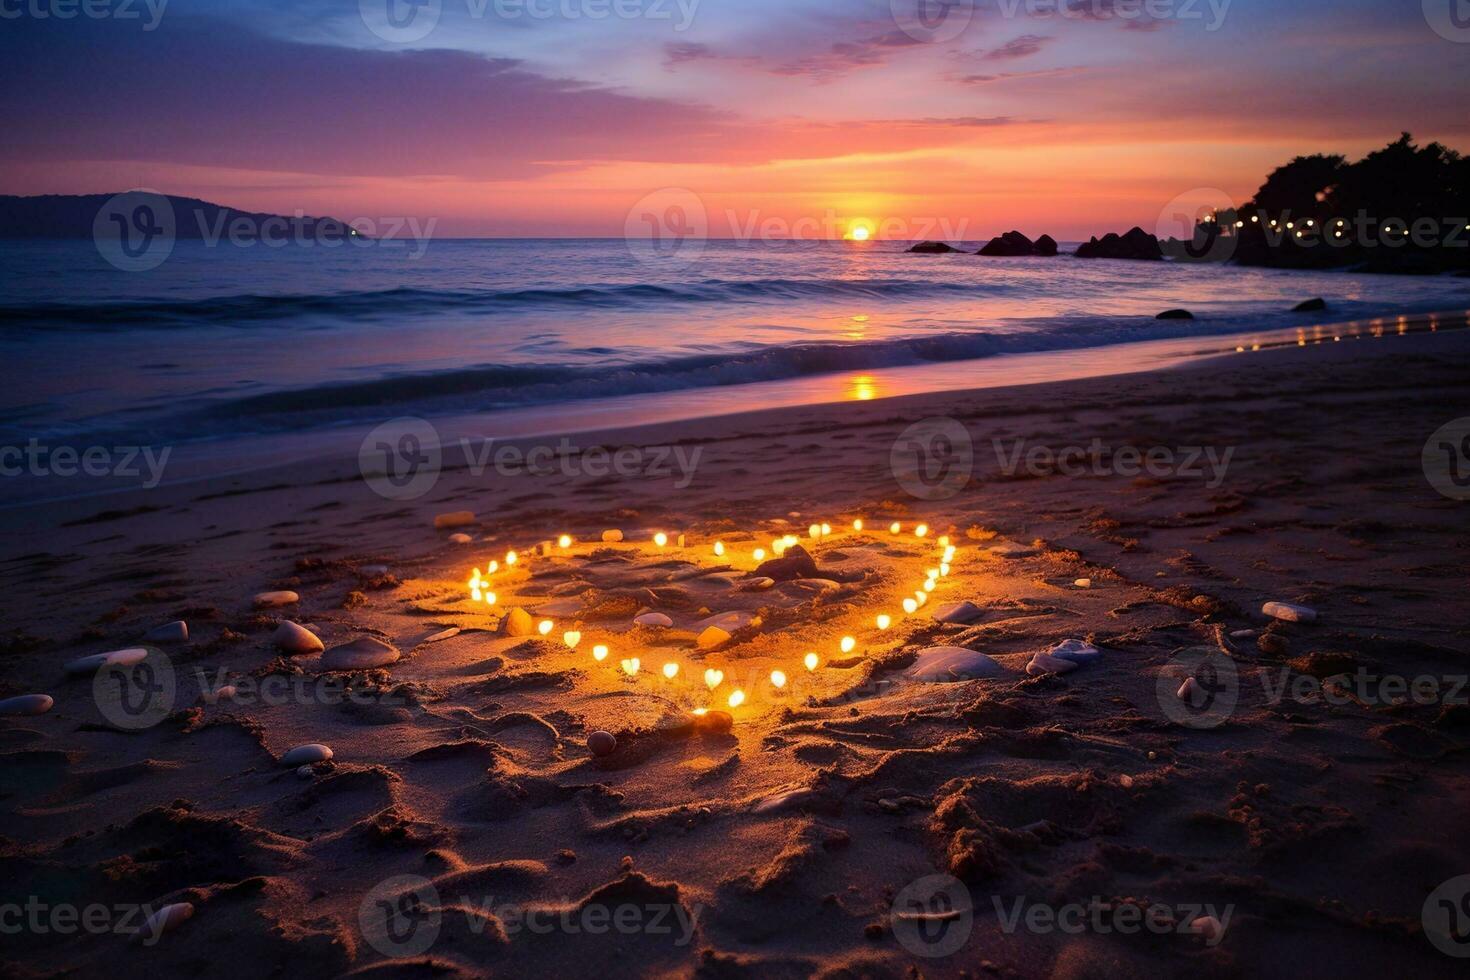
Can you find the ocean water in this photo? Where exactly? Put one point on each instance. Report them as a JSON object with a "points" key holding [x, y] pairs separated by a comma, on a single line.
{"points": [[224, 341]]}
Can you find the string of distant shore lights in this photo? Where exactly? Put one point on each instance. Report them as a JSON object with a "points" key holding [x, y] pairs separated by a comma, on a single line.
{"points": [[481, 591]]}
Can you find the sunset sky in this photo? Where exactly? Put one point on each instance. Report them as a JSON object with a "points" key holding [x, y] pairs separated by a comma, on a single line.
{"points": [[505, 121]]}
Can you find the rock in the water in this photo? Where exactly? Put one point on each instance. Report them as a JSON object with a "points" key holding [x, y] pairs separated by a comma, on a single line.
{"points": [[460, 518], [945, 665], [796, 563], [612, 536], [1075, 651], [517, 622], [363, 653], [1290, 613], [175, 632], [1045, 663], [656, 620], [266, 600], [933, 248], [461, 538], [1310, 306], [296, 640], [1136, 244], [306, 755], [116, 658], [602, 744], [1009, 245], [957, 612], [27, 704], [1175, 315], [712, 637], [1046, 246], [164, 920]]}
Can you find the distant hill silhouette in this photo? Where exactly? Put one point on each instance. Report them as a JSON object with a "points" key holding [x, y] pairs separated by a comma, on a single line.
{"points": [[73, 215]]}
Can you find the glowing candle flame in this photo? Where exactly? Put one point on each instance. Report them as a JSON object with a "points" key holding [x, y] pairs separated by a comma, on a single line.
{"points": [[944, 541], [671, 670], [910, 606], [660, 539], [814, 531], [921, 530], [884, 621], [475, 593], [630, 666], [546, 626], [895, 527], [778, 679], [811, 660], [571, 638], [599, 653], [493, 567], [944, 568], [565, 541], [713, 678], [759, 554], [826, 529], [847, 644], [510, 557], [490, 598], [857, 525], [737, 698], [719, 547]]}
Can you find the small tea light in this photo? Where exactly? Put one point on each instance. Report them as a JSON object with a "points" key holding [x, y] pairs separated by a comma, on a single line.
{"points": [[565, 541], [778, 679], [719, 547], [599, 653], [895, 527], [944, 541], [857, 525], [811, 660], [847, 644], [759, 554], [671, 670], [944, 568], [475, 593], [660, 539], [493, 567], [930, 584], [510, 558], [826, 529], [630, 666], [571, 638], [910, 606], [491, 598], [814, 531], [778, 547], [713, 678], [921, 531], [921, 596], [736, 699], [546, 626], [884, 621]]}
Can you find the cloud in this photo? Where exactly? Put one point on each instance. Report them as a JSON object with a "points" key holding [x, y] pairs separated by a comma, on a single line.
{"points": [[1019, 47]]}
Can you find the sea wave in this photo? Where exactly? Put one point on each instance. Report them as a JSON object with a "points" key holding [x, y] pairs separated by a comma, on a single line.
{"points": [[396, 303]]}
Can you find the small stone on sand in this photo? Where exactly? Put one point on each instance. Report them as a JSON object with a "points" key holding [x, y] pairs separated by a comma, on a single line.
{"points": [[1045, 663], [283, 598], [1290, 613], [1076, 651], [612, 536], [730, 622], [166, 919], [27, 704], [1010, 549], [714, 722], [372, 571], [296, 640], [946, 665], [760, 584], [1187, 689], [713, 636], [461, 538], [116, 658], [225, 693], [175, 632], [363, 653], [957, 612], [517, 622], [1208, 927], [306, 755], [602, 744], [1083, 583], [460, 518], [658, 620]]}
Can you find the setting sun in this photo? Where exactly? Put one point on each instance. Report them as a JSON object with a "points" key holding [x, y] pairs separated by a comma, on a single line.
{"points": [[860, 233]]}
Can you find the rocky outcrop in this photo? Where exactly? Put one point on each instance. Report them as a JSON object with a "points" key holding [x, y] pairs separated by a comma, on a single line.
{"points": [[1013, 244], [933, 248], [1136, 244], [1046, 246], [1175, 315]]}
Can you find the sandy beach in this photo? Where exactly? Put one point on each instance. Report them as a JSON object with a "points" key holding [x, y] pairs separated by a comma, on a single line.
{"points": [[983, 811]]}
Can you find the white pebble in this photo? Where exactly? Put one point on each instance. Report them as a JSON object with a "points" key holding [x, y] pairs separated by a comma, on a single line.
{"points": [[654, 619], [947, 665], [364, 653], [1288, 612], [166, 919], [283, 598], [306, 755], [460, 539], [175, 632], [1076, 651], [27, 704], [116, 658], [1045, 663]]}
